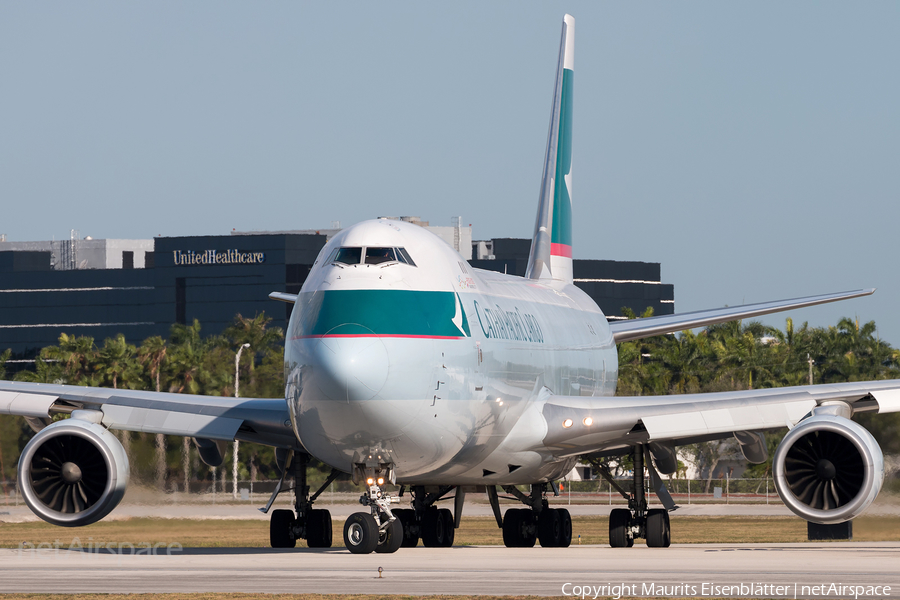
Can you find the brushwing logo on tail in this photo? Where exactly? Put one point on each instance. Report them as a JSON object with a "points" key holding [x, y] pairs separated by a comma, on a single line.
{"points": [[561, 235]]}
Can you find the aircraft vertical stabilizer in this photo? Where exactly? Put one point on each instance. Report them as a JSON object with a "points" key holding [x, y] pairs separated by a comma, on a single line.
{"points": [[551, 247]]}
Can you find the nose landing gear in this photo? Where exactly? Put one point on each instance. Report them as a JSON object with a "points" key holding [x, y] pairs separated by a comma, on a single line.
{"points": [[378, 530]]}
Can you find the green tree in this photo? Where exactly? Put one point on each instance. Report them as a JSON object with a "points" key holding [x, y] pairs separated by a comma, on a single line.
{"points": [[256, 332], [151, 354], [685, 358], [77, 356], [185, 357], [46, 370], [117, 363], [3, 358]]}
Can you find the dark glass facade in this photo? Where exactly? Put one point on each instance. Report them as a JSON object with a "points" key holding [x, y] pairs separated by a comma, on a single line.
{"points": [[213, 278], [209, 278], [612, 284]]}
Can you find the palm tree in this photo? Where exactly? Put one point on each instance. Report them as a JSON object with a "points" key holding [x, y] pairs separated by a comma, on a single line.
{"points": [[631, 369], [117, 362], [187, 351], [3, 358], [253, 331], [46, 370], [741, 353], [77, 356], [641, 371], [152, 353], [683, 356]]}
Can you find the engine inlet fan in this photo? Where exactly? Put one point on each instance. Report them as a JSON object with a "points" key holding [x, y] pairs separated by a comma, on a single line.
{"points": [[68, 474], [73, 472], [824, 469], [828, 469]]}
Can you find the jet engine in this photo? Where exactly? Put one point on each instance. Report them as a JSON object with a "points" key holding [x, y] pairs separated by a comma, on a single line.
{"points": [[828, 469], [73, 472]]}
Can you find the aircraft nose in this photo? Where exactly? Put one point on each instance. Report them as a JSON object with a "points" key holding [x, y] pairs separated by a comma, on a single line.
{"points": [[352, 367]]}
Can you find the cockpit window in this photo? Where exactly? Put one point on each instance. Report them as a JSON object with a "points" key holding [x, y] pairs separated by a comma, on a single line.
{"points": [[347, 256], [404, 257], [376, 256]]}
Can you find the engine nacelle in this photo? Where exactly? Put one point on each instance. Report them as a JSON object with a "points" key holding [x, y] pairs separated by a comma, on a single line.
{"points": [[828, 469], [73, 473]]}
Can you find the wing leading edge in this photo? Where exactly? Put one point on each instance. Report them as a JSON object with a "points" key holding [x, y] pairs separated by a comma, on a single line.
{"points": [[580, 425], [635, 329], [261, 420]]}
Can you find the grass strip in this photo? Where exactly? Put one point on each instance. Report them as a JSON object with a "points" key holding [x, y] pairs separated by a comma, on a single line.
{"points": [[473, 531]]}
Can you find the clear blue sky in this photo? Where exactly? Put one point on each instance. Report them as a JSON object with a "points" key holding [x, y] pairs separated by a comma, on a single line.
{"points": [[751, 148]]}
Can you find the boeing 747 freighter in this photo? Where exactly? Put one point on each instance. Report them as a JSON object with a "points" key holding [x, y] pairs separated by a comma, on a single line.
{"points": [[404, 364]]}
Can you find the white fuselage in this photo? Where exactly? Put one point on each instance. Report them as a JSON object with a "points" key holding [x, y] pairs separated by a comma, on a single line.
{"points": [[436, 369]]}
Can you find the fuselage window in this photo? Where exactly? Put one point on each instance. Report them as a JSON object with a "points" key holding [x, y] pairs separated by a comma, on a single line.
{"points": [[348, 256], [377, 256]]}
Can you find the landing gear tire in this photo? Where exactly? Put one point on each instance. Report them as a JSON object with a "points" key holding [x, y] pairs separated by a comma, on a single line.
{"points": [[659, 534], [360, 533], [511, 528], [391, 539], [565, 528], [318, 529], [407, 518], [549, 528], [518, 528], [437, 528], [620, 528], [449, 529], [281, 533]]}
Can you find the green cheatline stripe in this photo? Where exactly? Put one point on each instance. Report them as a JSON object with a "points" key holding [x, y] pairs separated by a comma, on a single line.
{"points": [[562, 201], [380, 312]]}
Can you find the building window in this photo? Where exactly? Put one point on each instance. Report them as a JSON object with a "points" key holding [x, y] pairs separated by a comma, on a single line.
{"points": [[127, 259], [180, 300]]}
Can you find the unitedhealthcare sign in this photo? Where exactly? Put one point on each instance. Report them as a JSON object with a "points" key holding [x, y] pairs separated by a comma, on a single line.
{"points": [[215, 257]]}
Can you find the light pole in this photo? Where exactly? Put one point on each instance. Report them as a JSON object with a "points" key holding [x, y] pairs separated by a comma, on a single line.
{"points": [[234, 462]]}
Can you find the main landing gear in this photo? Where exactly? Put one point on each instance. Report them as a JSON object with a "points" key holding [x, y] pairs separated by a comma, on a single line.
{"points": [[436, 527], [522, 527], [312, 525], [637, 521]]}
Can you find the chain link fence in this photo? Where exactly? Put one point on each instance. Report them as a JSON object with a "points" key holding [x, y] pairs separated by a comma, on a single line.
{"points": [[684, 491]]}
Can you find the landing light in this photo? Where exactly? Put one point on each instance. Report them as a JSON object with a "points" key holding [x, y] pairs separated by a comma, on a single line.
{"points": [[567, 423], [370, 481], [381, 481], [588, 421]]}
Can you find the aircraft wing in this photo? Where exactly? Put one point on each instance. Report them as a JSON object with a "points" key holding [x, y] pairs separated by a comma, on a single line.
{"points": [[580, 425], [261, 420], [635, 329]]}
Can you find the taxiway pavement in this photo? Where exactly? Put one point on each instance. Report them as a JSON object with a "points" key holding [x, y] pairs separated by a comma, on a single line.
{"points": [[682, 570]]}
